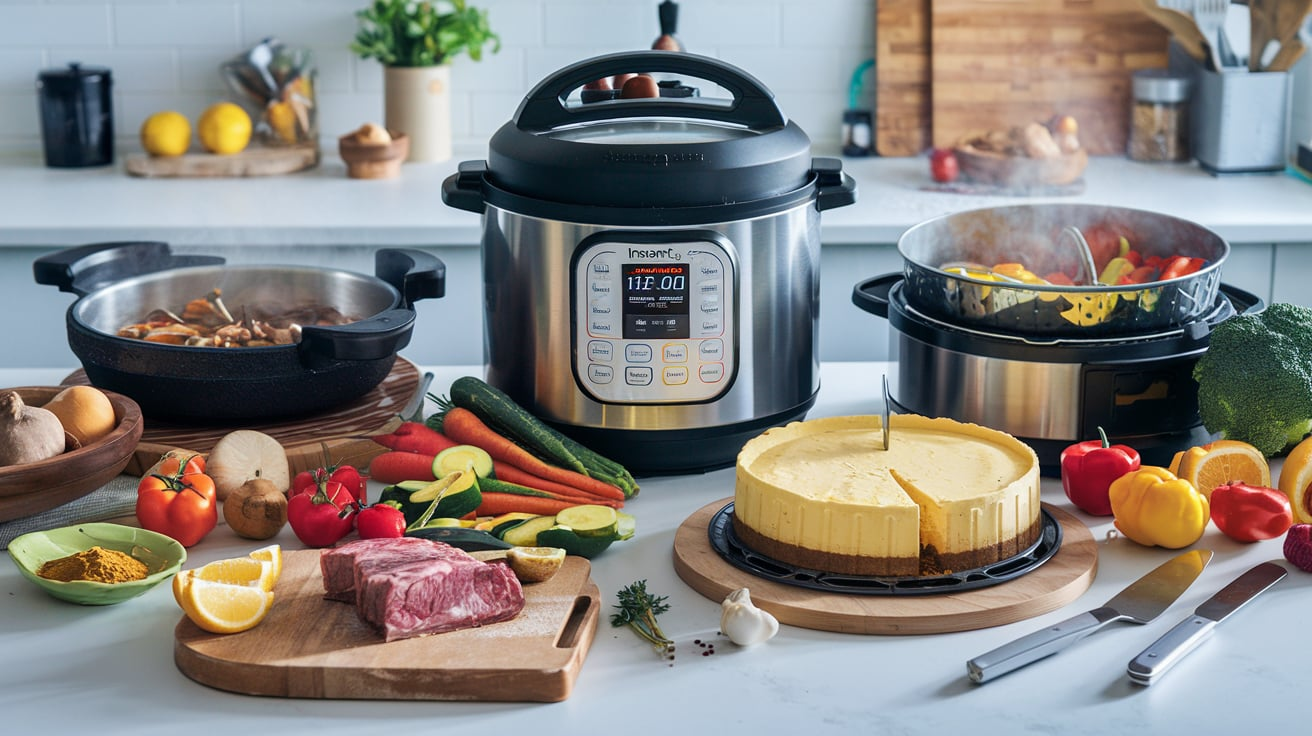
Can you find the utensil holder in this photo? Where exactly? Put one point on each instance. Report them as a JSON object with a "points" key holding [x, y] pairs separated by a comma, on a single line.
{"points": [[1241, 121]]}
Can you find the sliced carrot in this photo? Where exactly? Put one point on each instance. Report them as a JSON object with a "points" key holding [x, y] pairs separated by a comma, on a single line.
{"points": [[465, 427]]}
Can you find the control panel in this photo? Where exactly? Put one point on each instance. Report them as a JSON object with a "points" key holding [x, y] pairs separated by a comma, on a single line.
{"points": [[654, 320]]}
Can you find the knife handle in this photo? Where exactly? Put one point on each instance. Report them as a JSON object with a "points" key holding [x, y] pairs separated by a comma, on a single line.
{"points": [[1036, 646], [1172, 647]]}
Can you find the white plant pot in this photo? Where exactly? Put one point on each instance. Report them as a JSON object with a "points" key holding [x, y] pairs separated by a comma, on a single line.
{"points": [[417, 102]]}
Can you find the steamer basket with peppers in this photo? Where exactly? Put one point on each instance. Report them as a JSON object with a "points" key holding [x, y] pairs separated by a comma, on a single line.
{"points": [[1066, 270], [1006, 318]]}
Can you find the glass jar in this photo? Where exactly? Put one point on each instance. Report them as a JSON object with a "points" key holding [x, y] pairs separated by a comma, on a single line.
{"points": [[1159, 117]]}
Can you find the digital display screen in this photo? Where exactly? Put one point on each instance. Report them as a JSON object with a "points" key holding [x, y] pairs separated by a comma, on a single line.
{"points": [[655, 300]]}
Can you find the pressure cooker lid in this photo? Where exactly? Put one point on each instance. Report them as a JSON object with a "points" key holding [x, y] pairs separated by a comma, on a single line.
{"points": [[664, 151]]}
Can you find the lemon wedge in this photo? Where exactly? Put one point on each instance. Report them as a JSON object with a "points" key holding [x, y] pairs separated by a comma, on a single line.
{"points": [[222, 608], [535, 564]]}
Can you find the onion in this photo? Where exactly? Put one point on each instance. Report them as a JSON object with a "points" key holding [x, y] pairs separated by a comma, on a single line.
{"points": [[246, 455]]}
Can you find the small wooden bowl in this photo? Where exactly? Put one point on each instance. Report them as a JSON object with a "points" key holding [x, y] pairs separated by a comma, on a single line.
{"points": [[35, 487], [989, 167], [373, 160]]}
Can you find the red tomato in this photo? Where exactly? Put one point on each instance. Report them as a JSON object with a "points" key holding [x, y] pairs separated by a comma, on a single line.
{"points": [[182, 506], [943, 166]]}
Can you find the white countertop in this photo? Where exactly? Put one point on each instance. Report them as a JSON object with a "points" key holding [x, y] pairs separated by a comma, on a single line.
{"points": [[110, 670], [44, 206]]}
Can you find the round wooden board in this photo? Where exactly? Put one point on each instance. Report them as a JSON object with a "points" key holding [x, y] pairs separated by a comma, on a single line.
{"points": [[1054, 584]]}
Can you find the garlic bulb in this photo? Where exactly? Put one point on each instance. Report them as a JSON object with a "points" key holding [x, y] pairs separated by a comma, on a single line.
{"points": [[743, 622]]}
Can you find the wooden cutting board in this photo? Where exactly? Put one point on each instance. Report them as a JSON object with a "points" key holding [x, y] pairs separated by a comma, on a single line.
{"points": [[902, 72], [256, 160], [309, 647], [341, 434], [999, 63], [1052, 585]]}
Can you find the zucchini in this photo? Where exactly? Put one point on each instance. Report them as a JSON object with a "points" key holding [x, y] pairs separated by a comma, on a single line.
{"points": [[626, 526], [470, 540], [462, 457], [497, 408], [454, 496], [589, 520], [525, 533], [498, 524], [572, 542], [492, 485]]}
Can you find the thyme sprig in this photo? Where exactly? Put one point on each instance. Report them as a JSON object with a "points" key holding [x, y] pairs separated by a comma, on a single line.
{"points": [[638, 610]]}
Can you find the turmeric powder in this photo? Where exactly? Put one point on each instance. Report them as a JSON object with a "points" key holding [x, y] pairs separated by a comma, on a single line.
{"points": [[98, 565]]}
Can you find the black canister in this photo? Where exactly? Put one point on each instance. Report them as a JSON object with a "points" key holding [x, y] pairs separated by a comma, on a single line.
{"points": [[77, 116]]}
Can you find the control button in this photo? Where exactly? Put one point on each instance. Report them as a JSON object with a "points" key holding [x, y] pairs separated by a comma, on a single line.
{"points": [[711, 372], [711, 350], [710, 305], [711, 326], [637, 375], [598, 288], [637, 353], [675, 375], [601, 270], [709, 289], [599, 307], [599, 326], [675, 352], [600, 374], [708, 267], [600, 351]]}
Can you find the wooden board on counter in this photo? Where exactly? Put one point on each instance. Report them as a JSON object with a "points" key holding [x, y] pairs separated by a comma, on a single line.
{"points": [[339, 435], [902, 73], [1001, 63], [309, 647], [1052, 585], [256, 160]]}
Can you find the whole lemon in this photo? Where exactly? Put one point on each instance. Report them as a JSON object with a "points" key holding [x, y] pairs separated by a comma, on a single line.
{"points": [[166, 134], [224, 128]]}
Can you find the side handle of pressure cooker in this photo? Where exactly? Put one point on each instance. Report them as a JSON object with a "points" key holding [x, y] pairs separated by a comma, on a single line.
{"points": [[871, 295], [464, 189], [833, 187], [374, 338], [83, 269], [416, 274], [753, 106]]}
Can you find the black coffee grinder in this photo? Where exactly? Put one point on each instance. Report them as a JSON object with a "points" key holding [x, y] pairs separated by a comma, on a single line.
{"points": [[77, 116]]}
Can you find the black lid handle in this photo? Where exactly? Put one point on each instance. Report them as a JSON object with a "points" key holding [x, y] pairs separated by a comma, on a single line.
{"points": [[833, 186], [464, 189], [752, 106]]}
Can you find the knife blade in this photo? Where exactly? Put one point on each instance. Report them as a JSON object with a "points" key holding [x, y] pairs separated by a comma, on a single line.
{"points": [[1184, 637], [1140, 602]]}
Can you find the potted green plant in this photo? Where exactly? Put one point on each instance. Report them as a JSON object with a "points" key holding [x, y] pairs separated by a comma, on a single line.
{"points": [[415, 42]]}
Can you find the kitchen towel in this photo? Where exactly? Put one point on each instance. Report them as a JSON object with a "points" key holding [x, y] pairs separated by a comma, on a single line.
{"points": [[116, 498]]}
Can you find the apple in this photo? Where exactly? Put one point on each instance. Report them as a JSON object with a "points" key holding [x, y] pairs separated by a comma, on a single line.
{"points": [[943, 165]]}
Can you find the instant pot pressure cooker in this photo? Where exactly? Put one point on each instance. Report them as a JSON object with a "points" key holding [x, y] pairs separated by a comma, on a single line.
{"points": [[1051, 364], [651, 266]]}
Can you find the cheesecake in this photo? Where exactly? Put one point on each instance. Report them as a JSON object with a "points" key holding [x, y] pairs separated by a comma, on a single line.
{"points": [[944, 496]]}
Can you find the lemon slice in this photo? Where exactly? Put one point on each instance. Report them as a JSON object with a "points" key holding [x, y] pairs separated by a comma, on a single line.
{"points": [[535, 564], [221, 608], [1222, 461], [272, 553], [238, 571]]}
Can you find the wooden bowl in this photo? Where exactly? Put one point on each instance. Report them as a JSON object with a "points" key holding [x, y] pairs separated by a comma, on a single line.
{"points": [[35, 487], [989, 167], [373, 160]]}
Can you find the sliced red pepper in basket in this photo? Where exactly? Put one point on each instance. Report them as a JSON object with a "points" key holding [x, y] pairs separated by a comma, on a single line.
{"points": [[1060, 278], [1140, 275], [1181, 266]]}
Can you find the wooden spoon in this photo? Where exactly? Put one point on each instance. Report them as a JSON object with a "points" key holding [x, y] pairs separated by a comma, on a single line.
{"points": [[1182, 28], [1286, 17]]}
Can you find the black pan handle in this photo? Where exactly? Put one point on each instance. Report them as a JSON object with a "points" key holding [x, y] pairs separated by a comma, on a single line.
{"points": [[752, 106], [415, 273], [83, 269], [378, 337], [871, 295]]}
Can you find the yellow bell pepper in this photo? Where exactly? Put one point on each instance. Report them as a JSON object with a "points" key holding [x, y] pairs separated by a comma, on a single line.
{"points": [[1155, 508]]}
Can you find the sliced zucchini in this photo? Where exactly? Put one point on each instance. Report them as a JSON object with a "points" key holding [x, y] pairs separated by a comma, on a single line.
{"points": [[525, 533], [626, 527], [470, 540], [454, 496], [462, 457], [572, 542], [590, 520]]}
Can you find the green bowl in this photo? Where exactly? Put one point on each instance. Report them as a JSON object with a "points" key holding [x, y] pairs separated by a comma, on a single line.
{"points": [[163, 557]]}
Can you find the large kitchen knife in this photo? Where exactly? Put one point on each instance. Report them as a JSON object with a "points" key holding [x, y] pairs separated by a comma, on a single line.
{"points": [[1164, 653], [1141, 602]]}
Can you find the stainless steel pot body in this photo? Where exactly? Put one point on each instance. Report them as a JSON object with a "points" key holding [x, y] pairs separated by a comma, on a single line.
{"points": [[1032, 235], [750, 359]]}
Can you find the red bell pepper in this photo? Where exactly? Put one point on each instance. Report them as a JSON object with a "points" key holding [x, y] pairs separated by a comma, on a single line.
{"points": [[1088, 469], [321, 518], [1250, 513], [1179, 266]]}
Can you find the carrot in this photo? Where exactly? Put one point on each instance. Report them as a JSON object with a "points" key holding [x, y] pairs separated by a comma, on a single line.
{"points": [[465, 427], [497, 485], [396, 466], [414, 437], [494, 504], [512, 474]]}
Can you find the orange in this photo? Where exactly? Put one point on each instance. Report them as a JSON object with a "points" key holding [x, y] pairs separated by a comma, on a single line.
{"points": [[1220, 462], [1295, 477]]}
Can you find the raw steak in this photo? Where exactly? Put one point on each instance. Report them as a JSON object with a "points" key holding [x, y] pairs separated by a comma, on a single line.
{"points": [[338, 564], [433, 596]]}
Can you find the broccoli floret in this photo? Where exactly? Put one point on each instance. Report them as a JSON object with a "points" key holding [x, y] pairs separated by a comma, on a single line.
{"points": [[1255, 380]]}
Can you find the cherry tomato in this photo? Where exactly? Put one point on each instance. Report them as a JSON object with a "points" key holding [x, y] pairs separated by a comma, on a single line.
{"points": [[943, 166]]}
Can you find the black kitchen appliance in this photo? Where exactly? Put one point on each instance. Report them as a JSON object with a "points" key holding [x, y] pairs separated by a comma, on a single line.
{"points": [[77, 116], [1052, 365]]}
